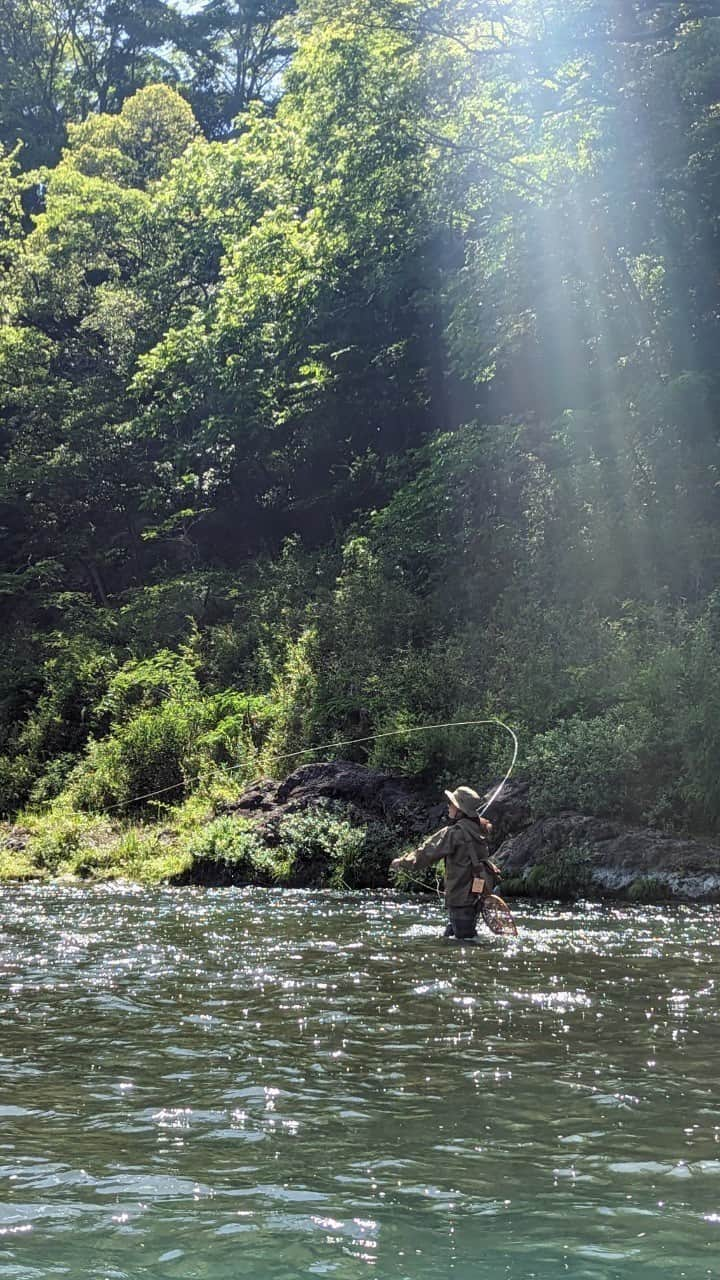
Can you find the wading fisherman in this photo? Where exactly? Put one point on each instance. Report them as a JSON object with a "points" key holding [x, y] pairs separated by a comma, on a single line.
{"points": [[469, 872]]}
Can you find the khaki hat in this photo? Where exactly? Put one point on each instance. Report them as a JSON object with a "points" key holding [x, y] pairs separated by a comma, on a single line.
{"points": [[466, 800]]}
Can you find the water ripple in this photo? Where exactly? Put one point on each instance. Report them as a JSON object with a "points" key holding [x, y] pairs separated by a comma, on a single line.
{"points": [[230, 1083]]}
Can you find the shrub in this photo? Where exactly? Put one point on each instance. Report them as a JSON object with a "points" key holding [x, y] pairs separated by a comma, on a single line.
{"points": [[234, 842], [584, 764], [238, 724], [148, 683], [52, 780], [16, 777], [57, 844], [695, 720], [327, 846], [157, 615], [166, 735], [59, 836], [565, 874], [153, 751], [365, 864], [314, 845], [262, 616], [44, 747]]}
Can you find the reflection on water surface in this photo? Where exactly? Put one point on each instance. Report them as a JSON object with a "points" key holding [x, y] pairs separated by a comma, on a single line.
{"points": [[277, 1084]]}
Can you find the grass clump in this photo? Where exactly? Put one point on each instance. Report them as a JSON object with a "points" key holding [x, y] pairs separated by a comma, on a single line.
{"points": [[648, 889], [564, 874], [16, 865], [142, 854], [56, 839]]}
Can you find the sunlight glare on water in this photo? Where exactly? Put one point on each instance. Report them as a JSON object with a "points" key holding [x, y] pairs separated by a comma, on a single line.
{"points": [[240, 1083]]}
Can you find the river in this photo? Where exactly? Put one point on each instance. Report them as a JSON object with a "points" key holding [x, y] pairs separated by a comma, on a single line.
{"points": [[248, 1083]]}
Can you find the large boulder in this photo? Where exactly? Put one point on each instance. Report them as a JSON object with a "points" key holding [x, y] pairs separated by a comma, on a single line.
{"points": [[368, 794], [602, 857], [330, 824], [359, 819]]}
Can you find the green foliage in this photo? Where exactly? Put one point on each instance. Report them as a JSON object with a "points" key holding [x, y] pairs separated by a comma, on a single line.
{"points": [[17, 866], [318, 847], [565, 874], [584, 764], [692, 717], [43, 748], [157, 716], [233, 842], [239, 725], [315, 847], [393, 405], [64, 842], [137, 145], [59, 840], [149, 684], [152, 753], [164, 614], [364, 863], [325, 846], [648, 889], [142, 855], [16, 780], [428, 880]]}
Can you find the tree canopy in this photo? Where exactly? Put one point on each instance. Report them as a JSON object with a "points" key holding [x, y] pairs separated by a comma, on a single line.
{"points": [[360, 358]]}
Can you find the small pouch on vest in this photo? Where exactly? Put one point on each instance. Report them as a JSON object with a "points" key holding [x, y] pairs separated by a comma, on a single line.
{"points": [[478, 885]]}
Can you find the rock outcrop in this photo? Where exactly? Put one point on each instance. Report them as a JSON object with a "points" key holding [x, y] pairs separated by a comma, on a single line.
{"points": [[404, 803], [605, 858], [367, 795]]}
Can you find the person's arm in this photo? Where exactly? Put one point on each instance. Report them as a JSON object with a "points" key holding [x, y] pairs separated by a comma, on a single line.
{"points": [[434, 849]]}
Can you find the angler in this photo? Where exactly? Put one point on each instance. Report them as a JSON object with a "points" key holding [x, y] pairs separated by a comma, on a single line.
{"points": [[470, 874]]}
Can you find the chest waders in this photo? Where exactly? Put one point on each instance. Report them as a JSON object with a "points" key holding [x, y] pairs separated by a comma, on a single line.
{"points": [[493, 909]]}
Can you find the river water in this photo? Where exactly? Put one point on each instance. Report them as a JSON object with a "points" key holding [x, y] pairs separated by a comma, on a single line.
{"points": [[249, 1083]]}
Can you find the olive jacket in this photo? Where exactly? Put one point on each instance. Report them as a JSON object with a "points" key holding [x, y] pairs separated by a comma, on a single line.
{"points": [[466, 853]]}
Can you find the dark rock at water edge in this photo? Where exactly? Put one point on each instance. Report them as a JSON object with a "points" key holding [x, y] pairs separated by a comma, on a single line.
{"points": [[403, 809], [572, 854]]}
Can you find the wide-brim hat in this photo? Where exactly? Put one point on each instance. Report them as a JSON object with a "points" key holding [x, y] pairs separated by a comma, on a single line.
{"points": [[466, 800]]}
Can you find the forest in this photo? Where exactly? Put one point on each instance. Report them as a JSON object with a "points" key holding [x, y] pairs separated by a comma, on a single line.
{"points": [[358, 370]]}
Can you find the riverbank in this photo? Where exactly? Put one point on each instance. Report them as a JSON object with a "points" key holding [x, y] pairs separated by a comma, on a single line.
{"points": [[327, 826], [338, 825]]}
